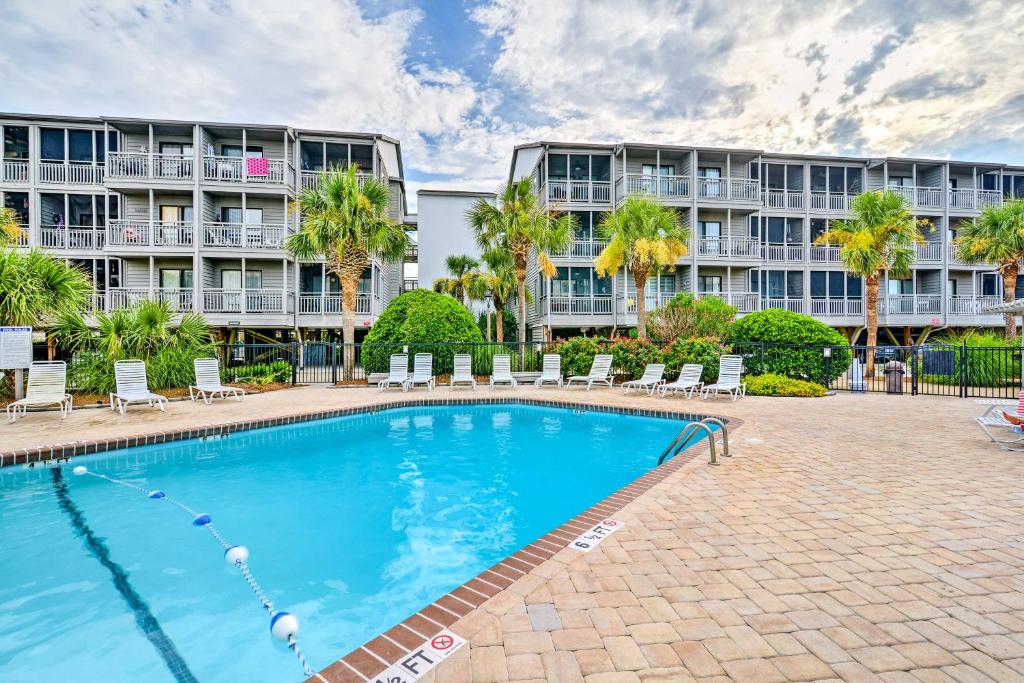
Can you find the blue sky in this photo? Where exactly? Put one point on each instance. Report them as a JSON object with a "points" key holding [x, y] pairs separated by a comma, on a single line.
{"points": [[461, 83]]}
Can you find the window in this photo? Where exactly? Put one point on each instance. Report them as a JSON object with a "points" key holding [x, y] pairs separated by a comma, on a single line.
{"points": [[774, 176], [80, 145], [311, 155], [51, 144], [818, 286], [989, 284], [819, 226], [1013, 185], [654, 169], [362, 156], [558, 166], [710, 229], [794, 178], [901, 181], [602, 285], [709, 284], [18, 202], [336, 155], [819, 178], [836, 179], [16, 142], [987, 181], [709, 172], [585, 224], [175, 214], [580, 281], [951, 287], [232, 279], [236, 151], [854, 287], [900, 287], [779, 284], [233, 214], [579, 167], [175, 278], [179, 148], [601, 168]]}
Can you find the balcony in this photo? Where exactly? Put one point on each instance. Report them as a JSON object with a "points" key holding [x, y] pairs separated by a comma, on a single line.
{"points": [[784, 200], [783, 252], [585, 249], [972, 305], [130, 233], [178, 300], [24, 236], [314, 303], [828, 307], [651, 301], [910, 304], [581, 304], [143, 166], [578, 191], [261, 236], [646, 185], [929, 252], [920, 197], [70, 173], [14, 171], [794, 304], [829, 202], [311, 179], [244, 301], [75, 238], [728, 247], [973, 200], [824, 253], [729, 189], [745, 302], [248, 170]]}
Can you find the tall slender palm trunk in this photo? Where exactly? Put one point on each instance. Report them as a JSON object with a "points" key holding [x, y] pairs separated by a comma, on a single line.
{"points": [[1009, 293], [871, 292], [499, 314], [349, 269], [521, 277], [640, 280]]}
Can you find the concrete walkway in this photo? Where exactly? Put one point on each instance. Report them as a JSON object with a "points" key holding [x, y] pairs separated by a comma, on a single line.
{"points": [[855, 538]]}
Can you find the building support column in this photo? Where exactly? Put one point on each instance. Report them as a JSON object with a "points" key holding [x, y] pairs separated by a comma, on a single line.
{"points": [[245, 291], [284, 286]]}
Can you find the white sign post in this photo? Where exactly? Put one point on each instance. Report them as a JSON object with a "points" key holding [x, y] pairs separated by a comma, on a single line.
{"points": [[16, 354]]}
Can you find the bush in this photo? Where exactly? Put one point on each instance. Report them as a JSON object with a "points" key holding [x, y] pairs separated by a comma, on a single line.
{"points": [[786, 343], [258, 373], [687, 317], [510, 328], [578, 353], [771, 384], [631, 356], [431, 322], [706, 351], [92, 372]]}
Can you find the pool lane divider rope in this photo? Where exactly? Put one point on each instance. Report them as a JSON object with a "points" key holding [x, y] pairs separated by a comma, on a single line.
{"points": [[283, 625], [144, 618]]}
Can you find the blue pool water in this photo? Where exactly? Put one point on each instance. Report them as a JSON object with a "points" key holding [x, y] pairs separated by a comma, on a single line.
{"points": [[353, 524]]}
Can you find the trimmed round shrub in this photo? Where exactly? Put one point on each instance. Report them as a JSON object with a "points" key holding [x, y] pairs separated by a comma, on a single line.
{"points": [[706, 351], [791, 344], [426, 322], [631, 356], [770, 384]]}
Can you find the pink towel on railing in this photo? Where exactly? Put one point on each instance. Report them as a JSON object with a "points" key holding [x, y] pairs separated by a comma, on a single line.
{"points": [[257, 166]]}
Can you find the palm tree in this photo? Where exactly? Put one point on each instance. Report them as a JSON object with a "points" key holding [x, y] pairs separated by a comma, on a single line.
{"points": [[997, 236], [10, 231], [880, 236], [461, 269], [519, 225], [345, 221], [500, 282], [36, 286], [646, 237]]}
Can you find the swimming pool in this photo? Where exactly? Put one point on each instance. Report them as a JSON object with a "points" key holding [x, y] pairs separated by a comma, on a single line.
{"points": [[352, 523]]}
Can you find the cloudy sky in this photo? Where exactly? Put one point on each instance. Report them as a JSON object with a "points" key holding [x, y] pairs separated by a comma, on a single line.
{"points": [[460, 83]]}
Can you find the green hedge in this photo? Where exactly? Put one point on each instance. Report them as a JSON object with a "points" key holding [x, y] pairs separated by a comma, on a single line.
{"points": [[771, 384], [258, 373], [796, 344], [706, 351]]}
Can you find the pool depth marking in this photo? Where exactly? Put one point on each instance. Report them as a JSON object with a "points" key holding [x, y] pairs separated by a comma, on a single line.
{"points": [[145, 620], [593, 536], [415, 664]]}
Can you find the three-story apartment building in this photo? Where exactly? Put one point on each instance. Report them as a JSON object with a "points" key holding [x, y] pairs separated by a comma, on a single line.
{"points": [[193, 213], [754, 218]]}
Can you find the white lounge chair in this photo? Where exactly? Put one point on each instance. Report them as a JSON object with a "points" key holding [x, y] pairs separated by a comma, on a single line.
{"points": [[652, 379], [463, 372], [729, 369], [398, 373], [551, 370], [688, 381], [47, 386], [208, 384], [600, 373], [132, 387], [422, 371], [502, 373]]}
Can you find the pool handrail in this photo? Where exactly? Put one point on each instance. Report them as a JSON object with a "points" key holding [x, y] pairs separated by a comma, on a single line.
{"points": [[687, 431]]}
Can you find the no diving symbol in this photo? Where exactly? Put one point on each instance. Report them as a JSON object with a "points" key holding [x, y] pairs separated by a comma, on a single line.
{"points": [[442, 642]]}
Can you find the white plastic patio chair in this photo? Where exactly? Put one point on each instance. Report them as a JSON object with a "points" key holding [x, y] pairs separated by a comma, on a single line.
{"points": [[463, 372], [132, 387], [422, 371], [208, 384], [652, 379], [551, 370], [398, 373], [502, 373], [47, 386], [729, 369], [600, 373], [1001, 431], [688, 381]]}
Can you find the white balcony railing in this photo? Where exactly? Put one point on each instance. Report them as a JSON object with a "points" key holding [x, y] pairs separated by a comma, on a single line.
{"points": [[137, 165], [71, 237], [133, 233], [243, 236], [587, 249], [712, 188], [244, 301], [647, 185], [178, 300], [788, 303], [651, 301], [14, 171], [972, 305], [929, 251], [825, 253], [237, 170], [783, 252], [311, 303], [70, 173], [919, 197], [24, 237], [910, 304], [829, 202], [310, 179], [745, 302], [967, 199], [581, 304], [836, 307], [786, 200], [725, 247], [579, 191]]}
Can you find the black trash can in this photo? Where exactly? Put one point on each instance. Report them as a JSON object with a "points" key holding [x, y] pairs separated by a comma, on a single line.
{"points": [[894, 372]]}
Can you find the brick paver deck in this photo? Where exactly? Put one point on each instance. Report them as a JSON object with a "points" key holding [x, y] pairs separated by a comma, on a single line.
{"points": [[855, 538]]}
